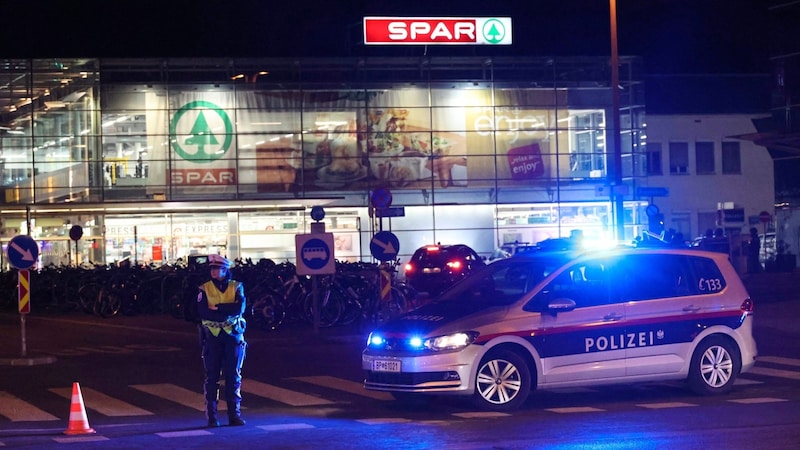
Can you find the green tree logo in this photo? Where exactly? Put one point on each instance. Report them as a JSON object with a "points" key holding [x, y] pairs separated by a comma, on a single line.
{"points": [[493, 31], [201, 146]]}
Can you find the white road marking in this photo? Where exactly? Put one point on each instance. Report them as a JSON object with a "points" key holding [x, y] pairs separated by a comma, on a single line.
{"points": [[18, 410], [578, 409], [178, 395], [774, 373], [173, 434], [348, 386], [779, 360], [758, 400], [286, 426], [383, 420], [665, 405], [481, 414], [102, 403], [282, 395]]}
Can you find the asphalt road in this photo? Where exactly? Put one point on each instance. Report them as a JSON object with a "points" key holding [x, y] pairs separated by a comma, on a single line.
{"points": [[153, 363]]}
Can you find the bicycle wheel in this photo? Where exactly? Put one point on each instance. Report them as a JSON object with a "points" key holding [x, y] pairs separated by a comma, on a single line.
{"points": [[331, 309], [88, 295], [108, 303], [266, 311]]}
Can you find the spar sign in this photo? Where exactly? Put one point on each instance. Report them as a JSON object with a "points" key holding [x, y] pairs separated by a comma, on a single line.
{"points": [[437, 30]]}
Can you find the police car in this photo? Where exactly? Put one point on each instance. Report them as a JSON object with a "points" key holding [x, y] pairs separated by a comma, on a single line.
{"points": [[548, 320]]}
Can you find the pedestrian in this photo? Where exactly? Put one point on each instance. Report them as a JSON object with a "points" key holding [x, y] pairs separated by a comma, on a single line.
{"points": [[220, 307], [753, 252]]}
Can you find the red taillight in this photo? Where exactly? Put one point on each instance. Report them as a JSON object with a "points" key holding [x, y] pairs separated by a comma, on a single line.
{"points": [[409, 268], [432, 248], [747, 305], [455, 265]]}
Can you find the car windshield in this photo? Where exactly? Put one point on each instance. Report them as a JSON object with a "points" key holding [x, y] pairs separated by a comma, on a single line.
{"points": [[503, 282]]}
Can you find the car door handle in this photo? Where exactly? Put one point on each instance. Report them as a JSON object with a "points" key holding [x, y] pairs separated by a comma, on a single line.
{"points": [[612, 317], [691, 308]]}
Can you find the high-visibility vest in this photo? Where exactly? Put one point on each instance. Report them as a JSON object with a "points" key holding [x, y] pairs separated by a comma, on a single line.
{"points": [[215, 297]]}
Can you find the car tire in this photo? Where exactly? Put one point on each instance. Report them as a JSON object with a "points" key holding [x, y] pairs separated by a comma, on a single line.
{"points": [[715, 365], [503, 381]]}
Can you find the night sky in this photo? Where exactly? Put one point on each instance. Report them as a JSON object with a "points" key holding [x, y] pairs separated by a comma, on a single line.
{"points": [[673, 36]]}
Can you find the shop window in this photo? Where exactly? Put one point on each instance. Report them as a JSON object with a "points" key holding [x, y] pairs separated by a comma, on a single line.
{"points": [[678, 158], [704, 157], [731, 158]]}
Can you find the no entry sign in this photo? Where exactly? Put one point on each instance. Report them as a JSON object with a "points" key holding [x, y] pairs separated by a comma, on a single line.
{"points": [[437, 30]]}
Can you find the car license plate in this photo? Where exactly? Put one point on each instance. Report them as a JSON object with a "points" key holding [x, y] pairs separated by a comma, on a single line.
{"points": [[385, 365]]}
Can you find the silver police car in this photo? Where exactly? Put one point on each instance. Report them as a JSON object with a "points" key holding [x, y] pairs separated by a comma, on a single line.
{"points": [[548, 320]]}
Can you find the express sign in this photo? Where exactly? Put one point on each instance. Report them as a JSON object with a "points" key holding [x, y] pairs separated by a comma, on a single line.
{"points": [[432, 30]]}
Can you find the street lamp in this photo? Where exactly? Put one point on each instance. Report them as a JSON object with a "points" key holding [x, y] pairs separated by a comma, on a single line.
{"points": [[616, 182]]}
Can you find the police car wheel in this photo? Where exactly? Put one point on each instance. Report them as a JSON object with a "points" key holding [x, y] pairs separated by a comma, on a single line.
{"points": [[715, 365], [503, 381]]}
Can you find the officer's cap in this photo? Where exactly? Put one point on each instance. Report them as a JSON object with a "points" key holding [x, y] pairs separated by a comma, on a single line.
{"points": [[218, 261]]}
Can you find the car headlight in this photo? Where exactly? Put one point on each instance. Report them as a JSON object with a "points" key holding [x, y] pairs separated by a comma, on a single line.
{"points": [[453, 341]]}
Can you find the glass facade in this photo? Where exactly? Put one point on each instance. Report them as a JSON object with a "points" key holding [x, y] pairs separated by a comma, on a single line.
{"points": [[159, 159]]}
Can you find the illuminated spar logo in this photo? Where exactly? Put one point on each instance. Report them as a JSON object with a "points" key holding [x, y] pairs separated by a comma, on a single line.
{"points": [[210, 132], [442, 30]]}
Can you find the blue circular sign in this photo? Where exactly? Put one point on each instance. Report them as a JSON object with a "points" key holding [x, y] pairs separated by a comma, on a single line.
{"points": [[317, 213], [23, 251], [384, 246], [315, 254], [381, 198]]}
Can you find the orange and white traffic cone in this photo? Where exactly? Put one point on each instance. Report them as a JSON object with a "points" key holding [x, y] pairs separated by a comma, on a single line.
{"points": [[78, 422]]}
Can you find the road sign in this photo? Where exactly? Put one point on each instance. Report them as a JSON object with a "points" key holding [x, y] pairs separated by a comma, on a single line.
{"points": [[315, 254], [764, 217], [384, 246], [24, 277], [396, 211], [23, 251], [381, 198], [76, 232], [317, 213], [652, 191]]}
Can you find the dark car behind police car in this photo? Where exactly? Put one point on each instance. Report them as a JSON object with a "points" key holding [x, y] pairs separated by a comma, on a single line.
{"points": [[548, 321]]}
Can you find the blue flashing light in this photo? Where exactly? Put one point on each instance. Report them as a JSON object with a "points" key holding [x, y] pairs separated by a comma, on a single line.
{"points": [[415, 342]]}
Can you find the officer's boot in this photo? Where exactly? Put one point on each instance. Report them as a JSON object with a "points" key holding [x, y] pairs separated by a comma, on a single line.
{"points": [[211, 414], [235, 414]]}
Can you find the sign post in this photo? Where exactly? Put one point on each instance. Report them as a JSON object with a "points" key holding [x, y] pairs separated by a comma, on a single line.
{"points": [[23, 251], [315, 257]]}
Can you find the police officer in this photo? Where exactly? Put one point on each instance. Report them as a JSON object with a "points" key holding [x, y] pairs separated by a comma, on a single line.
{"points": [[220, 306]]}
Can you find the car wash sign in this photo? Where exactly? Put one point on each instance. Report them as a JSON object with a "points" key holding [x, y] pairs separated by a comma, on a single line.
{"points": [[437, 30]]}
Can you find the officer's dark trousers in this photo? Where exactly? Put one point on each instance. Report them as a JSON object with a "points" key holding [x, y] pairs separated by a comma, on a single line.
{"points": [[223, 354]]}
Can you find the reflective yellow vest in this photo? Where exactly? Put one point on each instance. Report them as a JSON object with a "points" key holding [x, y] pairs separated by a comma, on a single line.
{"points": [[215, 297]]}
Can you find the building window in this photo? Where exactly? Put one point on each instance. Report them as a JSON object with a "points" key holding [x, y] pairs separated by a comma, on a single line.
{"points": [[678, 158], [731, 158], [704, 157], [654, 159]]}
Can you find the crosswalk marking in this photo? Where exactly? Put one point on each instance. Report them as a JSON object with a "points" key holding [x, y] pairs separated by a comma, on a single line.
{"points": [[775, 373], [17, 410], [187, 433], [177, 394], [286, 426], [102, 403], [348, 386], [74, 439], [481, 414], [758, 400], [665, 405], [578, 409], [282, 395], [383, 420], [779, 360]]}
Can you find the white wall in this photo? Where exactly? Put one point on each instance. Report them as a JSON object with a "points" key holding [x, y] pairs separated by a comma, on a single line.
{"points": [[753, 189]]}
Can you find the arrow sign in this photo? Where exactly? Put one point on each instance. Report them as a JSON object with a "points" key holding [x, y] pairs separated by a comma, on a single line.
{"points": [[22, 251], [384, 246]]}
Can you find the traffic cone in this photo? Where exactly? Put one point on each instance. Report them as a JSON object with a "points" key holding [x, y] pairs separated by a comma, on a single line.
{"points": [[78, 422]]}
